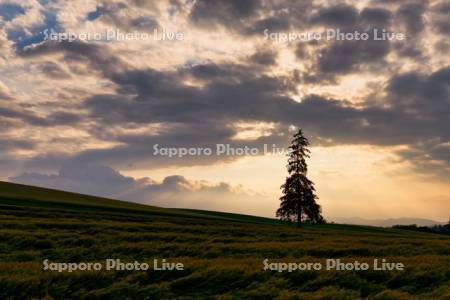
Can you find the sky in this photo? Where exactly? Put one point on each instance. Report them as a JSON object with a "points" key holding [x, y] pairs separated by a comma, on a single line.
{"points": [[95, 94]]}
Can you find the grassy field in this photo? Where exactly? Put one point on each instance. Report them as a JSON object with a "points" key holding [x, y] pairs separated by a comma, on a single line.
{"points": [[222, 253]]}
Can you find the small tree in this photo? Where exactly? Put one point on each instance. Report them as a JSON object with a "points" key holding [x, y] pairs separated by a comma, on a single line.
{"points": [[299, 195]]}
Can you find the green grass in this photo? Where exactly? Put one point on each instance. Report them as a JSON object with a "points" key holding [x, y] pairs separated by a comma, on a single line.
{"points": [[222, 253]]}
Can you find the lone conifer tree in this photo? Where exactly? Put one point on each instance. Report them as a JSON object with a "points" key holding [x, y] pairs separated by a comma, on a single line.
{"points": [[299, 196]]}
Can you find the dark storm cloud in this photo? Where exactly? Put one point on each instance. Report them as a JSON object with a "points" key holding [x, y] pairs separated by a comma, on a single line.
{"points": [[252, 17], [440, 18], [63, 118], [410, 19], [411, 15], [206, 71], [429, 158], [340, 57], [341, 15], [119, 14], [426, 91], [416, 107], [228, 13], [201, 116], [192, 117], [161, 97], [349, 56], [147, 82], [260, 98], [265, 58], [375, 16], [442, 26], [276, 16], [26, 116], [14, 113], [272, 24], [228, 72], [345, 56], [147, 23], [11, 144], [98, 57], [425, 100], [440, 22]]}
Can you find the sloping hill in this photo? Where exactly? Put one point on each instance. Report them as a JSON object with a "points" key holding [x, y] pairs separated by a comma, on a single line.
{"points": [[222, 253], [18, 194], [25, 195]]}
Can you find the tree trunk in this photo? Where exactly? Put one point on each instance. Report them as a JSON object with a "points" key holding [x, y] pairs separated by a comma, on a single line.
{"points": [[299, 209]]}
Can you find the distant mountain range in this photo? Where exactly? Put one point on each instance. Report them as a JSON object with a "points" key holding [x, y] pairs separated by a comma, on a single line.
{"points": [[386, 222]]}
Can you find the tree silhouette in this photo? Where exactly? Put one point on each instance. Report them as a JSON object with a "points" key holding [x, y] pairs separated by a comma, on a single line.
{"points": [[299, 195]]}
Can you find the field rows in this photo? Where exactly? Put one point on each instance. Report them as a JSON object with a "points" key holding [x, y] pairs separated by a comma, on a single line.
{"points": [[223, 259]]}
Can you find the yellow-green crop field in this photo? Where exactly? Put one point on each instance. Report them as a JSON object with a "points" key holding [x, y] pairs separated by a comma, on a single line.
{"points": [[222, 253]]}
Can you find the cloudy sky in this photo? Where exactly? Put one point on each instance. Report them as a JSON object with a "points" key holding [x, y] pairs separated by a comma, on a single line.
{"points": [[85, 115]]}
